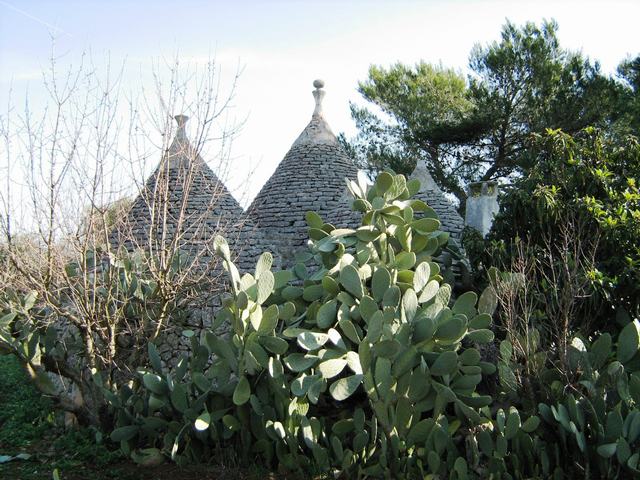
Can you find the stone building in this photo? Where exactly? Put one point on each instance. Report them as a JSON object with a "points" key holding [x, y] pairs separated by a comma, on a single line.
{"points": [[184, 204], [184, 200], [311, 176]]}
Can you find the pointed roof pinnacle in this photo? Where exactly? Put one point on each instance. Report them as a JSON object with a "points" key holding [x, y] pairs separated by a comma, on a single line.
{"points": [[181, 120], [318, 95], [318, 130], [181, 149]]}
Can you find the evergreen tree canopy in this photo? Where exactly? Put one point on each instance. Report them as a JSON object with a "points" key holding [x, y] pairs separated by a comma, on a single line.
{"points": [[479, 128]]}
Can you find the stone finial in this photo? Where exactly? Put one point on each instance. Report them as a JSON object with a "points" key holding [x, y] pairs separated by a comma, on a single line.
{"points": [[181, 120], [318, 95]]}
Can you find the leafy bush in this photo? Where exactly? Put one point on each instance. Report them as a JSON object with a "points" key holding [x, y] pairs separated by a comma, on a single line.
{"points": [[585, 185]]}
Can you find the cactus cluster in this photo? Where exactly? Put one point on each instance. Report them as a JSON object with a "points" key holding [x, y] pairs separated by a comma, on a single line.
{"points": [[600, 424], [357, 360]]}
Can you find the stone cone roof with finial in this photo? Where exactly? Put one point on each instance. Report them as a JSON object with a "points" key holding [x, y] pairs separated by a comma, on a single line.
{"points": [[311, 176], [184, 201]]}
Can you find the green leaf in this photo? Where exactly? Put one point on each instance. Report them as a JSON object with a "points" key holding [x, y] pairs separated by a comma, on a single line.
{"points": [[231, 423], [397, 188], [452, 330], [122, 434], [460, 467], [221, 247], [255, 316], [332, 368], [426, 225], [607, 450], [203, 421], [380, 283], [269, 320], [291, 293], [256, 350], [430, 290], [420, 432], [421, 277], [30, 300], [242, 391], [444, 294], [314, 220], [375, 327], [391, 297], [350, 280], [298, 362], [312, 340], [353, 360], [330, 285], [179, 398], [275, 367], [275, 345], [409, 305], [345, 387], [368, 307], [368, 233], [386, 348], [480, 321], [465, 303], [155, 383], [628, 341], [445, 364], [384, 182], [470, 356], [405, 260], [481, 336], [513, 424], [313, 292], [600, 350], [623, 450], [488, 301], [326, 315], [264, 264], [281, 278], [266, 283], [349, 330]]}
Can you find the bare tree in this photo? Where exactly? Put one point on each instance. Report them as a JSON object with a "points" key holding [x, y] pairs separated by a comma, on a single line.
{"points": [[544, 301], [91, 275]]}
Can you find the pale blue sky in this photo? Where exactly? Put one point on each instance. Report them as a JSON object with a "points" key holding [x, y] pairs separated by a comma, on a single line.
{"points": [[283, 46]]}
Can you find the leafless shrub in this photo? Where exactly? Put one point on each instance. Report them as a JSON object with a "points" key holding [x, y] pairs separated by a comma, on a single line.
{"points": [[72, 170]]}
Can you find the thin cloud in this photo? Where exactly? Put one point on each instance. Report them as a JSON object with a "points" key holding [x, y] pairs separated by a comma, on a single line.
{"points": [[35, 19]]}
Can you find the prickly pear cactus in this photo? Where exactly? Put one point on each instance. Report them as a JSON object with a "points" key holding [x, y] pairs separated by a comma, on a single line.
{"points": [[365, 365]]}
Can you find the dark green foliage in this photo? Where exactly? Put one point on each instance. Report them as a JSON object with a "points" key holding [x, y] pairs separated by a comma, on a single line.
{"points": [[479, 129], [526, 83], [431, 114], [629, 98], [587, 184], [24, 414], [28, 424], [597, 422]]}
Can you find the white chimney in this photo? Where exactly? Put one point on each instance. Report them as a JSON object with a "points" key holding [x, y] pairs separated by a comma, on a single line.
{"points": [[482, 205]]}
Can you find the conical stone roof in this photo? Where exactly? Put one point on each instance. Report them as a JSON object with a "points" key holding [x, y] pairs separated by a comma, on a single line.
{"points": [[310, 177], [430, 193], [184, 201]]}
